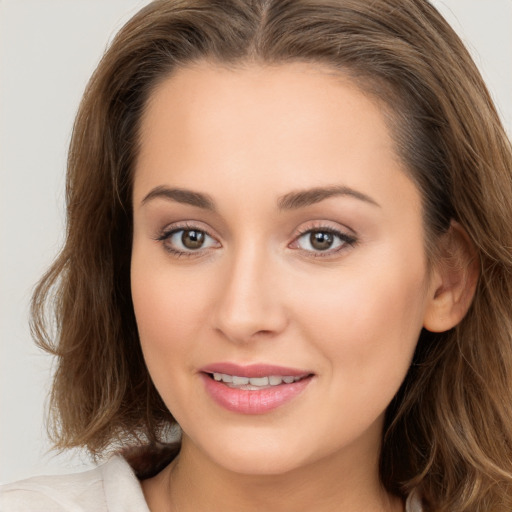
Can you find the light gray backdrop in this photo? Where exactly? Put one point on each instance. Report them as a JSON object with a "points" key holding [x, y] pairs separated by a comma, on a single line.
{"points": [[48, 49]]}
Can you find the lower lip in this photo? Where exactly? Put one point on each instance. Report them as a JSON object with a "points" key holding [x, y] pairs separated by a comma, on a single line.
{"points": [[257, 401]]}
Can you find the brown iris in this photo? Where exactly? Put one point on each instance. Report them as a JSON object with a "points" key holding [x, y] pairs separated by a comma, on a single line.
{"points": [[321, 240], [192, 239]]}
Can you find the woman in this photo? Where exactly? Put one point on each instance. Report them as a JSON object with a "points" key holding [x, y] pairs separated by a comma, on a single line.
{"points": [[288, 232]]}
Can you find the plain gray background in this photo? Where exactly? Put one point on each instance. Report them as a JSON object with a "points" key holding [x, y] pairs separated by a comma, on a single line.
{"points": [[48, 49]]}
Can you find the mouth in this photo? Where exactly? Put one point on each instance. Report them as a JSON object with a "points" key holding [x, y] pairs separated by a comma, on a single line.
{"points": [[254, 389], [254, 383]]}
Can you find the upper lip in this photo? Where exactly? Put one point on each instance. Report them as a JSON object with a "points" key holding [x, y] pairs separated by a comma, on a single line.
{"points": [[253, 370]]}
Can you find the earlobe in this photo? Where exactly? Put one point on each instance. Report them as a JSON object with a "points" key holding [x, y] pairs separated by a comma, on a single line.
{"points": [[453, 280]]}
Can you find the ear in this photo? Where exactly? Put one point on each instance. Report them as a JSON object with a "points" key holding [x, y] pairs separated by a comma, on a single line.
{"points": [[453, 280]]}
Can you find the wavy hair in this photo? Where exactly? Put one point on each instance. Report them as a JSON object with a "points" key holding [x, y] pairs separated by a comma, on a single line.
{"points": [[448, 431]]}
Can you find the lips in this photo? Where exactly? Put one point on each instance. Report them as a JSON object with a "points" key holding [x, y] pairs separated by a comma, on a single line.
{"points": [[253, 389], [254, 383], [253, 370]]}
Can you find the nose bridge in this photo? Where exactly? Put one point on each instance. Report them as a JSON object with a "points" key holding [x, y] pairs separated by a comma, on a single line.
{"points": [[248, 303]]}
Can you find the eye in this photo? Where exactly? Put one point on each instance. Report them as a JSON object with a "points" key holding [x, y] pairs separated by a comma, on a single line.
{"points": [[187, 241], [323, 240]]}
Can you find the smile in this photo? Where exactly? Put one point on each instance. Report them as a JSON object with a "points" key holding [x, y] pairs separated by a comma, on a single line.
{"points": [[253, 389], [254, 383]]}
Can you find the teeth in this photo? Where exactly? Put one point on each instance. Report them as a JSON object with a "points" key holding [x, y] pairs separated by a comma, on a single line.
{"points": [[240, 381], [254, 382], [259, 381], [223, 377]]}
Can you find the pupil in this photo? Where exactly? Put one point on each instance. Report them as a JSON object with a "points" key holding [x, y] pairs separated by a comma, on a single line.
{"points": [[192, 239], [321, 240]]}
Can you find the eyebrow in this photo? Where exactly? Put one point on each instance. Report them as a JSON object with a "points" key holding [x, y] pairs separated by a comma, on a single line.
{"points": [[290, 201], [181, 195], [303, 198]]}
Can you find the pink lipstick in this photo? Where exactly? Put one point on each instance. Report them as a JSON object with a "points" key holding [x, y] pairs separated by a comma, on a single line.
{"points": [[253, 389]]}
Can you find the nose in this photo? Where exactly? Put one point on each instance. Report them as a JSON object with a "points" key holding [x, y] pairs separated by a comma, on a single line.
{"points": [[249, 305]]}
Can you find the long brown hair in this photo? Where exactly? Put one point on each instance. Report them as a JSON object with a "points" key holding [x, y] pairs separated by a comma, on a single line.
{"points": [[448, 432]]}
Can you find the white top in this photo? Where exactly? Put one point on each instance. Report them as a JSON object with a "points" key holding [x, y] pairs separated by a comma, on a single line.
{"points": [[112, 487]]}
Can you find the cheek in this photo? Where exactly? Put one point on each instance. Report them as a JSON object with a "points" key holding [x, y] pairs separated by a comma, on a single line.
{"points": [[168, 310], [368, 322], [155, 309]]}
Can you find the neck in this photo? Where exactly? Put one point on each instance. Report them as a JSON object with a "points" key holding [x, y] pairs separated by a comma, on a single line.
{"points": [[193, 482]]}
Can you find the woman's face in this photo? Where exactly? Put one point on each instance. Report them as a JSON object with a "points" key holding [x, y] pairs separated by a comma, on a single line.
{"points": [[278, 272]]}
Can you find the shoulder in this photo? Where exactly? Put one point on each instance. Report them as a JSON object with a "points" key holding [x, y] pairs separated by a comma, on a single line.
{"points": [[112, 486]]}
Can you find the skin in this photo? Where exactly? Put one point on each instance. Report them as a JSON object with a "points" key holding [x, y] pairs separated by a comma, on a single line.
{"points": [[256, 292]]}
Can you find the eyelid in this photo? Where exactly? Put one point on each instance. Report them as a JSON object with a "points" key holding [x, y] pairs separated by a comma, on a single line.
{"points": [[168, 231], [346, 235]]}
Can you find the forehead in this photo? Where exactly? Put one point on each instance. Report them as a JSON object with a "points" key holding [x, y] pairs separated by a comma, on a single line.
{"points": [[204, 96], [295, 125]]}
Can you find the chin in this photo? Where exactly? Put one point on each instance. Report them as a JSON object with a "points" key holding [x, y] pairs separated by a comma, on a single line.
{"points": [[254, 454], [260, 464]]}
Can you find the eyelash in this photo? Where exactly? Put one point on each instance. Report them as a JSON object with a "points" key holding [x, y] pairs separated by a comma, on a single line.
{"points": [[344, 239], [166, 235]]}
